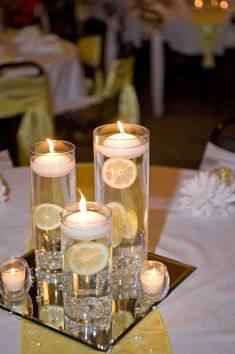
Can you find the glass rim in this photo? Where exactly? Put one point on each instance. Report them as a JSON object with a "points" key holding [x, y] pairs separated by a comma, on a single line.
{"points": [[34, 146], [146, 263], [96, 131], [66, 208], [5, 261]]}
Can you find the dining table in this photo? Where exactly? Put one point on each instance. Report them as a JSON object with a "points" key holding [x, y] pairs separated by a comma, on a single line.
{"points": [[58, 58], [197, 317]]}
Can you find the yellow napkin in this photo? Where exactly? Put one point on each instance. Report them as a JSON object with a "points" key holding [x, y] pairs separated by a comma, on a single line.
{"points": [[147, 336]]}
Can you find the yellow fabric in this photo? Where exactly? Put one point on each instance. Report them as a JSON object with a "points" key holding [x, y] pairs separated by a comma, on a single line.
{"points": [[27, 95], [120, 80], [208, 27], [90, 51], [39, 340], [128, 105]]}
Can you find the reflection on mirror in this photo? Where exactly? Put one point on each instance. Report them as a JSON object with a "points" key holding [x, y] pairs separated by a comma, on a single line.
{"points": [[44, 304]]}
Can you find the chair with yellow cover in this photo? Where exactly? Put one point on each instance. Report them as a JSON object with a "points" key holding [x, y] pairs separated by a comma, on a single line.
{"points": [[90, 54], [24, 107], [119, 101]]}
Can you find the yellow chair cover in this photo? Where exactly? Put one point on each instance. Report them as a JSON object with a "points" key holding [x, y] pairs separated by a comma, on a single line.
{"points": [[27, 96], [120, 80], [90, 52], [208, 27]]}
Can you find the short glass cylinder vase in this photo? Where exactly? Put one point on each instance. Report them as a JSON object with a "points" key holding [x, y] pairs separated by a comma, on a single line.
{"points": [[15, 279], [87, 265], [121, 158], [53, 181]]}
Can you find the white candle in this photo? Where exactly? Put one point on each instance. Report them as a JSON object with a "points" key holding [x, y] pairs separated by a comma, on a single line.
{"points": [[152, 281], [85, 224], [13, 279], [122, 145], [52, 164]]}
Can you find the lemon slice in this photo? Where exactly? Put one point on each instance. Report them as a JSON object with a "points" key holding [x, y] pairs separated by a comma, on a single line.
{"points": [[119, 172], [87, 258], [124, 223], [116, 236], [47, 216], [133, 220]]}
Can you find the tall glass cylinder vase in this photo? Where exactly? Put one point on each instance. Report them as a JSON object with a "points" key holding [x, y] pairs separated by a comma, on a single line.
{"points": [[121, 157], [53, 181]]}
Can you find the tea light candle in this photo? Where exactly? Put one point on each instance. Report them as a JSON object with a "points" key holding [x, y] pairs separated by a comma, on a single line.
{"points": [[122, 145], [85, 224], [52, 164], [13, 279], [152, 281]]}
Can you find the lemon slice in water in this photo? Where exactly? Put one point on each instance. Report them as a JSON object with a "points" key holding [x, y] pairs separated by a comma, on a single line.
{"points": [[119, 172], [87, 258], [124, 223], [47, 216]]}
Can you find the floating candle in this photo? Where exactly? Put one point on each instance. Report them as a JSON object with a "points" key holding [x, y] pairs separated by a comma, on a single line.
{"points": [[52, 164], [85, 224], [122, 145]]}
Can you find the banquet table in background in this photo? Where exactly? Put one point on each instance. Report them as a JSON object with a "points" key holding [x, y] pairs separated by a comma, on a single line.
{"points": [[61, 64], [199, 314]]}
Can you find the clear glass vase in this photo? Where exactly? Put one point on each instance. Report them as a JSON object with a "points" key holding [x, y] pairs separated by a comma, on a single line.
{"points": [[53, 181], [87, 265], [121, 161]]}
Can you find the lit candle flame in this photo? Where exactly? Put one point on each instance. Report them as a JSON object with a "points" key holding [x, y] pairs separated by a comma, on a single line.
{"points": [[51, 145], [82, 203], [120, 127]]}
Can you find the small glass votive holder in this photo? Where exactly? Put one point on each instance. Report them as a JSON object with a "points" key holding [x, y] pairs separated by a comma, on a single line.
{"points": [[15, 278], [154, 281]]}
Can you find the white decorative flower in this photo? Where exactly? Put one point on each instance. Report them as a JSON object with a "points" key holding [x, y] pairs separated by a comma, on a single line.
{"points": [[3, 196], [207, 195]]}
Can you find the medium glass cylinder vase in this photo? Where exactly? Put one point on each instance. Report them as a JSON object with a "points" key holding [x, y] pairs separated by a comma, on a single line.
{"points": [[121, 158], [53, 181]]}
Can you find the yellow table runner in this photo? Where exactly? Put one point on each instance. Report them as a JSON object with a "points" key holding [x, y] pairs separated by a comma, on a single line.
{"points": [[148, 336]]}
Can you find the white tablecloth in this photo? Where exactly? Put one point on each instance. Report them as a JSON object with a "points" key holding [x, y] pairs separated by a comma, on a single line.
{"points": [[199, 315]]}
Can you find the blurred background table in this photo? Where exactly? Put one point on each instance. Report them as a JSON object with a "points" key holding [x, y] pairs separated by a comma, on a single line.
{"points": [[61, 64]]}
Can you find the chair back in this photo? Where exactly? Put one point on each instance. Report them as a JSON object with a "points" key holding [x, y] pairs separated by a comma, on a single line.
{"points": [[120, 74], [220, 149], [90, 54], [24, 92], [120, 83]]}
